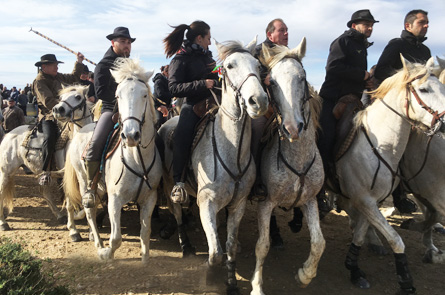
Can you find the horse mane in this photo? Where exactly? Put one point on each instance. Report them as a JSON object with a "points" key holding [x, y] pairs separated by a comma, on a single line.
{"points": [[398, 82], [229, 48], [315, 106], [270, 56]]}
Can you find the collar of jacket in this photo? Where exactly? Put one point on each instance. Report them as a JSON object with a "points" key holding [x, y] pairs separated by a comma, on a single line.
{"points": [[193, 48], [46, 76], [409, 37], [356, 35]]}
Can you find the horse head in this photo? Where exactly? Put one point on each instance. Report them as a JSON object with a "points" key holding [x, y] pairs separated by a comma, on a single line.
{"points": [[289, 89], [72, 106], [421, 96], [241, 77], [441, 73], [134, 99]]}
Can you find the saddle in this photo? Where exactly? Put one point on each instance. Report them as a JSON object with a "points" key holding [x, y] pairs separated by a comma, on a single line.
{"points": [[345, 111], [30, 141]]}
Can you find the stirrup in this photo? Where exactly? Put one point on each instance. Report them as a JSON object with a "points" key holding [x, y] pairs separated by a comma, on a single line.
{"points": [[89, 199], [45, 178], [179, 194]]}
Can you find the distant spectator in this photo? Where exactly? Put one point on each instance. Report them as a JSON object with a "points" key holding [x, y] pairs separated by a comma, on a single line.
{"points": [[13, 116], [86, 82], [22, 101], [14, 93], [5, 92], [27, 88], [162, 96]]}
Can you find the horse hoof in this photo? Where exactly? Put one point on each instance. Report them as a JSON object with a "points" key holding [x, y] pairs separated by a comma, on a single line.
{"points": [[428, 257], [439, 230], [76, 238], [62, 220], [377, 249], [233, 290], [105, 254], [4, 227], [188, 251], [407, 223], [410, 291], [300, 283], [362, 283]]}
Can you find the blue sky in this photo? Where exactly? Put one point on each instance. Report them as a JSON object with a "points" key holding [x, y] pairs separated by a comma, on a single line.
{"points": [[82, 26]]}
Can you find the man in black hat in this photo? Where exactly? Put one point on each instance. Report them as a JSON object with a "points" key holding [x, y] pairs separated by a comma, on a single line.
{"points": [[46, 87], [91, 95], [105, 90], [410, 45], [346, 75]]}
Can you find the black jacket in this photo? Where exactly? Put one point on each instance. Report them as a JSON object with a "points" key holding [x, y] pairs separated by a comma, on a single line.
{"points": [[103, 81], [160, 90], [188, 71], [346, 66], [409, 46]]}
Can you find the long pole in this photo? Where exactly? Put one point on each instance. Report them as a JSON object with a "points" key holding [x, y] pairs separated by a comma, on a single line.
{"points": [[57, 43]]}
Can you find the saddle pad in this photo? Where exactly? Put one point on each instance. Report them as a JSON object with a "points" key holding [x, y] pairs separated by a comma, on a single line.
{"points": [[345, 131], [113, 143], [63, 138], [32, 133], [202, 125]]}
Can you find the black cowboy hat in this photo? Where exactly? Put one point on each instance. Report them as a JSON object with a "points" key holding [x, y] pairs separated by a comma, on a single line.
{"points": [[361, 15], [85, 69], [47, 59], [121, 32]]}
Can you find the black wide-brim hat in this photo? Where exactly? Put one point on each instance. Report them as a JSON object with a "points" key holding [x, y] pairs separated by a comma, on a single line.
{"points": [[47, 59], [361, 15], [121, 32]]}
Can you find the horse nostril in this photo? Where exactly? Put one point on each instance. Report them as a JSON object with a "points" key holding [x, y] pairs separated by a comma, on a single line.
{"points": [[251, 101], [137, 136], [123, 136], [300, 127]]}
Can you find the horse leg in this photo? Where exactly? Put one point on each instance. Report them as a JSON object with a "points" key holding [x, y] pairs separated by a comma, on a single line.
{"points": [[262, 246], [70, 224], [7, 192], [91, 218], [309, 270], [233, 221], [375, 217], [375, 245], [360, 228], [114, 212], [186, 246], [145, 214], [46, 192]]}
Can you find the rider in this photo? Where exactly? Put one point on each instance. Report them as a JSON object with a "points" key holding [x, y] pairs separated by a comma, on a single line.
{"points": [[346, 75], [105, 90], [410, 45], [46, 87], [161, 95], [191, 77]]}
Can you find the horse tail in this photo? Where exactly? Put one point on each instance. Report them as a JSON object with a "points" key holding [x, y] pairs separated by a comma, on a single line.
{"points": [[71, 183], [7, 191]]}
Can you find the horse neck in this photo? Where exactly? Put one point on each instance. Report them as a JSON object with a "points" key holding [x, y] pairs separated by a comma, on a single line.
{"points": [[304, 147], [231, 131], [387, 129]]}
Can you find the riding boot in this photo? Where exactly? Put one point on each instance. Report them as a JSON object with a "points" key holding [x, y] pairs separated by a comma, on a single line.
{"points": [[92, 169], [258, 192]]}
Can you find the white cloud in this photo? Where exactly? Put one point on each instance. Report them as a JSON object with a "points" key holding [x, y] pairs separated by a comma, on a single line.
{"points": [[82, 25]]}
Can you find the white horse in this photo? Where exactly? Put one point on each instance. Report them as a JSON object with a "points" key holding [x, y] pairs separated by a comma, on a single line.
{"points": [[291, 166], [133, 171], [368, 172], [13, 154], [222, 163]]}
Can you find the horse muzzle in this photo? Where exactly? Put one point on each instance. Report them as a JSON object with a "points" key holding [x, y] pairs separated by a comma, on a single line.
{"points": [[61, 113], [131, 138]]}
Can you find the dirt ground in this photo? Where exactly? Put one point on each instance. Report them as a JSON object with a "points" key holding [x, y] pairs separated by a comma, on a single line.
{"points": [[77, 266]]}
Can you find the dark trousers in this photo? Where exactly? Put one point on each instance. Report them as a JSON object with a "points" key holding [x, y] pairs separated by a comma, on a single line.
{"points": [[101, 132], [160, 119], [326, 136], [50, 130], [183, 140]]}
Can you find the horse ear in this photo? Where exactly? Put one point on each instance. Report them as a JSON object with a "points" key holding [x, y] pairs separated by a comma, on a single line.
{"points": [[251, 46], [113, 73], [147, 75], [441, 62], [300, 50], [406, 64], [219, 46]]}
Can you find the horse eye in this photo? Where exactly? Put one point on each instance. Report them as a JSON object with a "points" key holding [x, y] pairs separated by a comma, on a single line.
{"points": [[230, 66], [423, 90], [78, 97]]}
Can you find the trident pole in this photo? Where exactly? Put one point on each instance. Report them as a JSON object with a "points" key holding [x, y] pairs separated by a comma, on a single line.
{"points": [[58, 44]]}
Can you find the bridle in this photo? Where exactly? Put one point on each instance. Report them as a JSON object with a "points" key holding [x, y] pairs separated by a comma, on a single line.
{"points": [[237, 90], [304, 101], [80, 106], [437, 120]]}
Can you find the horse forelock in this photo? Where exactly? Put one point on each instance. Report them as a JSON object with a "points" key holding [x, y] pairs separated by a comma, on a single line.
{"points": [[270, 56], [125, 68], [77, 88], [230, 47], [400, 80]]}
